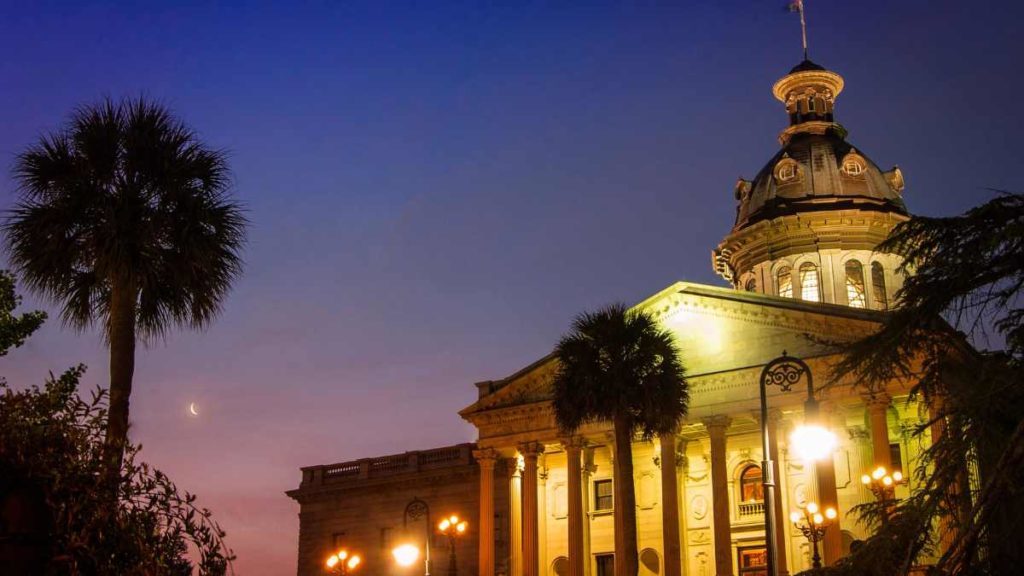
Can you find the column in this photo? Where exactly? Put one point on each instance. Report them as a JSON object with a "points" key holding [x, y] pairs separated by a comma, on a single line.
{"points": [[485, 459], [542, 513], [589, 468], [531, 560], [515, 532], [573, 452], [781, 517], [948, 524], [670, 506], [828, 496], [878, 407], [717, 425]]}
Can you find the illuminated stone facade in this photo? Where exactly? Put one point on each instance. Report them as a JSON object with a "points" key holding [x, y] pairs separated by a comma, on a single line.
{"points": [[540, 502]]}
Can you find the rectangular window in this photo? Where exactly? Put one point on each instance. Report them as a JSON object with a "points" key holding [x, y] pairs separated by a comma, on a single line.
{"points": [[603, 498], [752, 561], [337, 539], [896, 457], [605, 564]]}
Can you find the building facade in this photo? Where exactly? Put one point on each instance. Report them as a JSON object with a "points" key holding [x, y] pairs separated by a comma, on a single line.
{"points": [[805, 274]]}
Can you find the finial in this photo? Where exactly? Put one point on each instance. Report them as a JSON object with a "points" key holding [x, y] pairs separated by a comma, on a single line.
{"points": [[798, 6]]}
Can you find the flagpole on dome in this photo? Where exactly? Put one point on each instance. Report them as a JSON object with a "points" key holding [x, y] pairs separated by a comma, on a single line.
{"points": [[798, 6]]}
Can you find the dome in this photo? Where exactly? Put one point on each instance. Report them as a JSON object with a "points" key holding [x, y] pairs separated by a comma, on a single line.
{"points": [[806, 66], [814, 172]]}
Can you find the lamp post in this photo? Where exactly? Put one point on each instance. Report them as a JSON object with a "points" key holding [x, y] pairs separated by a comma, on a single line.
{"points": [[342, 562], [813, 527], [407, 554], [883, 486], [811, 441], [452, 527]]}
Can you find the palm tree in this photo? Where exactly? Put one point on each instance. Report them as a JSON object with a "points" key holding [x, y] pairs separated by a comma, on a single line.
{"points": [[124, 220], [619, 365]]}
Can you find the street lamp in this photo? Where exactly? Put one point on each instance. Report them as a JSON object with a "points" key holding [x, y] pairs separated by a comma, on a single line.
{"points": [[813, 527], [452, 527], [810, 441], [342, 562], [407, 554], [883, 486]]}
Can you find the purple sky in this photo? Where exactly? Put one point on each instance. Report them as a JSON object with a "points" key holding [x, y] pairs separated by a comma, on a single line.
{"points": [[437, 188]]}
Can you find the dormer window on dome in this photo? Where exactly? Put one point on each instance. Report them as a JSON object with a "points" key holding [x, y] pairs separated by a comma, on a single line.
{"points": [[854, 164], [787, 170]]}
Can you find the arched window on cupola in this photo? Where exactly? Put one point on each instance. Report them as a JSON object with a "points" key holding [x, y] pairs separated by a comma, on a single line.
{"points": [[855, 294], [810, 287], [750, 285], [878, 286], [784, 282]]}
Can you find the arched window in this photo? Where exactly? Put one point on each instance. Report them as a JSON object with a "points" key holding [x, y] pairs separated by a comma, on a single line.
{"points": [[855, 295], [751, 488], [751, 285], [810, 104], [809, 286], [853, 167], [785, 282], [878, 286]]}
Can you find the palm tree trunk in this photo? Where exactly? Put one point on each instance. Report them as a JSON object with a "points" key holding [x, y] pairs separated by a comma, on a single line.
{"points": [[122, 368], [626, 560]]}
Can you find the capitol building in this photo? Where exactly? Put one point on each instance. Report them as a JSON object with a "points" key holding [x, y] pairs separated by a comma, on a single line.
{"points": [[802, 276]]}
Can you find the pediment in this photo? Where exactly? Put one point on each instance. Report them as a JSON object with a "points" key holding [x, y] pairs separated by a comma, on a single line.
{"points": [[718, 330]]}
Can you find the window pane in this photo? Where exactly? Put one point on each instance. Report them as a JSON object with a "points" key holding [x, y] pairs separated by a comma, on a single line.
{"points": [[603, 498], [751, 487], [896, 457], [809, 282], [878, 286], [855, 285], [753, 561], [785, 282], [605, 565]]}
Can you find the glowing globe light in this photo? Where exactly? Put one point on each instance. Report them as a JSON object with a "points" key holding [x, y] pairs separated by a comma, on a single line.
{"points": [[830, 513], [353, 562], [813, 443], [795, 517], [897, 475], [818, 518], [865, 479], [812, 507], [332, 561], [406, 554]]}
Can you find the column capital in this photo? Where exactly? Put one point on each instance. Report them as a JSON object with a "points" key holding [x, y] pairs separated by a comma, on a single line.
{"points": [[719, 423], [573, 443], [486, 457], [876, 399], [530, 449]]}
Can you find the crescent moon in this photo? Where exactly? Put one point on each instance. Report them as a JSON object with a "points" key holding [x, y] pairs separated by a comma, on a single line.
{"points": [[192, 409]]}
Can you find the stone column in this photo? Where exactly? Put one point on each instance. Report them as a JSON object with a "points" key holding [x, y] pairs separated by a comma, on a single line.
{"points": [[828, 496], [542, 513], [573, 452], [781, 517], [716, 426], [589, 468], [878, 406], [531, 560], [515, 504], [485, 459], [670, 506]]}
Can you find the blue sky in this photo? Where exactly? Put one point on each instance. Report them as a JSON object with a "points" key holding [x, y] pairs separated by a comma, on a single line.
{"points": [[436, 188]]}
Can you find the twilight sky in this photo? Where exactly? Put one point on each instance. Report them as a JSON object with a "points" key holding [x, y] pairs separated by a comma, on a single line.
{"points": [[436, 188]]}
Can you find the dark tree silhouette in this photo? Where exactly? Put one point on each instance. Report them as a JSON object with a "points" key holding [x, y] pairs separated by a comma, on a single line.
{"points": [[965, 276], [125, 220], [619, 365]]}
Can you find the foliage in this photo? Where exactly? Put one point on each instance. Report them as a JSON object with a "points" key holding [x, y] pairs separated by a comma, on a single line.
{"points": [[52, 445], [125, 220], [619, 365], [14, 329], [52, 439], [964, 281]]}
